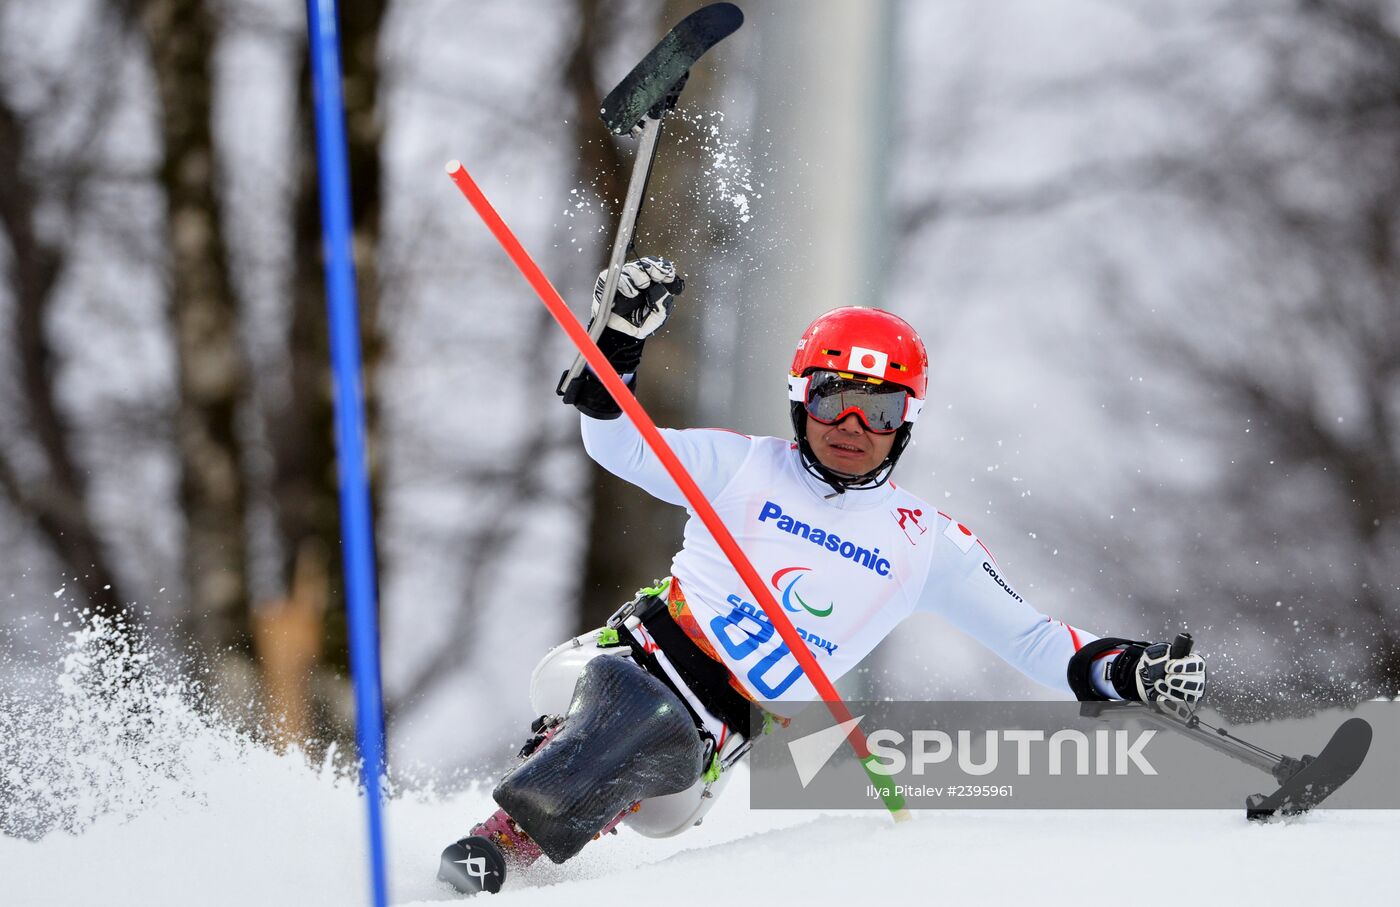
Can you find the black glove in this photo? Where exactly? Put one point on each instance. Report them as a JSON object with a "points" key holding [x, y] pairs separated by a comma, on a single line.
{"points": [[1143, 672], [1149, 673], [646, 290]]}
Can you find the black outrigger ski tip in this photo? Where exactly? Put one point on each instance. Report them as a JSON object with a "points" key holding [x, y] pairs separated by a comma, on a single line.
{"points": [[659, 77], [473, 865], [1306, 782]]}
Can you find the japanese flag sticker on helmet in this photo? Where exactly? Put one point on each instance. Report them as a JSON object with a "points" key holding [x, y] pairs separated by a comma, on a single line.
{"points": [[868, 362]]}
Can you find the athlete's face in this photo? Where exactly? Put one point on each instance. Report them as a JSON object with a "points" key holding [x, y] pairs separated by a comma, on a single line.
{"points": [[848, 447]]}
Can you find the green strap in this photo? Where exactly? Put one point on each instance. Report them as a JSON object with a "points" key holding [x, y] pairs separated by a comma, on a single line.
{"points": [[657, 589]]}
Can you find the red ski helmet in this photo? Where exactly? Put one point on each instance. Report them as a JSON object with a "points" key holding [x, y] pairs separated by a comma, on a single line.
{"points": [[871, 344], [861, 341]]}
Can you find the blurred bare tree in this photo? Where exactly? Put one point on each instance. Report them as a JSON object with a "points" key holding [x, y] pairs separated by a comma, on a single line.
{"points": [[46, 175], [300, 419], [204, 313], [618, 513], [223, 421], [1273, 206], [1293, 345], [631, 535], [229, 609]]}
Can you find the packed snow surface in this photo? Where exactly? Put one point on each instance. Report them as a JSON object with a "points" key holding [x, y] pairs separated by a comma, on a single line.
{"points": [[106, 803]]}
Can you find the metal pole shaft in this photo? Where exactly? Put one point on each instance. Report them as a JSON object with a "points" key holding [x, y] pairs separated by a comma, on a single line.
{"points": [[1229, 746], [622, 241]]}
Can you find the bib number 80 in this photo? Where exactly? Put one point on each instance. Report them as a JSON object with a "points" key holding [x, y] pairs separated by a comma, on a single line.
{"points": [[759, 675]]}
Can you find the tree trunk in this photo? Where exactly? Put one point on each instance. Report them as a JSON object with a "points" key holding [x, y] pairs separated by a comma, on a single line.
{"points": [[54, 496], [305, 487], [212, 372], [631, 535]]}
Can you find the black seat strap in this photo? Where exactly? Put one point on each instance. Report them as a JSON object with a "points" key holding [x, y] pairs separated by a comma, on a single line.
{"points": [[705, 677]]}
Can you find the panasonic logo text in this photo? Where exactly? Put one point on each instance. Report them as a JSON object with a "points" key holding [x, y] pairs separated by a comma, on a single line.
{"points": [[868, 558]]}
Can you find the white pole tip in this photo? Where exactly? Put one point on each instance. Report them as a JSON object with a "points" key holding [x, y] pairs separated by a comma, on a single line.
{"points": [[453, 166]]}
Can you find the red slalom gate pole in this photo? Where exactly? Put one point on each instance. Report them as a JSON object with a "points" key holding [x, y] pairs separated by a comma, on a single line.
{"points": [[619, 391]]}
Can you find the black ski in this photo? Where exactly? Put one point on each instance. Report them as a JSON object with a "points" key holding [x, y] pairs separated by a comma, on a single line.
{"points": [[662, 72], [1309, 780]]}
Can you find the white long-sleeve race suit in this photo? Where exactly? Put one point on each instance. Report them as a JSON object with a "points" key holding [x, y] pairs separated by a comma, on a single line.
{"points": [[847, 567]]}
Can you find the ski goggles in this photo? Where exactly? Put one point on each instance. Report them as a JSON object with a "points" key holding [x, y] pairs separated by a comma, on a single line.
{"points": [[830, 397]]}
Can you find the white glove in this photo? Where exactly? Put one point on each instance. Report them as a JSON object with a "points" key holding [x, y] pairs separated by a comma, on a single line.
{"points": [[646, 288]]}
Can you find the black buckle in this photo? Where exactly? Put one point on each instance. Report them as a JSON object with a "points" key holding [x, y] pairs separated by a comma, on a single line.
{"points": [[643, 607]]}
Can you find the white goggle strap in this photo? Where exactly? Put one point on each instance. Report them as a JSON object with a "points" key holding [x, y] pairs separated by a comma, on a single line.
{"points": [[912, 407]]}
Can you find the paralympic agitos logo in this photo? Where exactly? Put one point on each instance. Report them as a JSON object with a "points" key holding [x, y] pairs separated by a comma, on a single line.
{"points": [[789, 589]]}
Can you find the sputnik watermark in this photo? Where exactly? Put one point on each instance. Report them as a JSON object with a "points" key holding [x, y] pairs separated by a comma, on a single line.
{"points": [[1071, 751], [1109, 753], [1032, 755]]}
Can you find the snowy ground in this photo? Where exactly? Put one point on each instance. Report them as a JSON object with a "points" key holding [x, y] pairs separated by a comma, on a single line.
{"points": [[172, 808], [282, 836]]}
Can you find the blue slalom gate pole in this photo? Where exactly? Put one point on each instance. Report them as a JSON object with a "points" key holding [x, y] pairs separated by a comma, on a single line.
{"points": [[357, 532]]}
